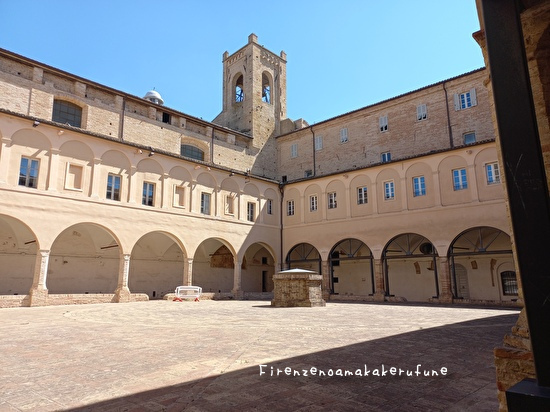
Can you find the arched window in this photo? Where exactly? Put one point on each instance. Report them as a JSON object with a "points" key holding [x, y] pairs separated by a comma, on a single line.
{"points": [[266, 89], [239, 91], [192, 152], [67, 113]]}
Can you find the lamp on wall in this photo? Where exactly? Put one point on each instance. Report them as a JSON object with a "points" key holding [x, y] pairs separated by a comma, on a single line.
{"points": [[151, 153], [36, 123], [59, 133]]}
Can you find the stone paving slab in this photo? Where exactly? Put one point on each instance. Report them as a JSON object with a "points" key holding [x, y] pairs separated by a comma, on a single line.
{"points": [[205, 356]]}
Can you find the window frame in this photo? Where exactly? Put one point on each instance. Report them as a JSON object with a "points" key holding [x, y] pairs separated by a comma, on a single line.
{"points": [[318, 143], [344, 136], [421, 112], [509, 284], [34, 166], [111, 187], [492, 173], [313, 203], [269, 206], [332, 202], [469, 138], [77, 186], [179, 193], [290, 207], [67, 112], [419, 186], [251, 211], [362, 195], [385, 157], [383, 123], [206, 204], [460, 179], [148, 194], [294, 150], [389, 190]]}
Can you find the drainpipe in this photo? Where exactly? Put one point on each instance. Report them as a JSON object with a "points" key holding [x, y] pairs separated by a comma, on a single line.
{"points": [[314, 165], [212, 148], [121, 128], [282, 192], [448, 118]]}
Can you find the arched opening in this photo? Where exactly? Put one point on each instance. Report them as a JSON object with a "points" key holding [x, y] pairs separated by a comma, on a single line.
{"points": [[304, 256], [266, 89], [192, 152], [481, 261], [67, 113], [258, 270], [214, 266], [18, 247], [351, 269], [156, 265], [84, 258], [410, 269], [239, 89]]}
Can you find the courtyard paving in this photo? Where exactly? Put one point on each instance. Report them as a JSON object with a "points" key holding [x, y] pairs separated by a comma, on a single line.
{"points": [[206, 356]]}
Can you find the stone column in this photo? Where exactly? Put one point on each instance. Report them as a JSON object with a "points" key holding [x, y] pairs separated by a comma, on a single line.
{"points": [[188, 272], [444, 277], [379, 291], [122, 293], [39, 292], [237, 280], [325, 283]]}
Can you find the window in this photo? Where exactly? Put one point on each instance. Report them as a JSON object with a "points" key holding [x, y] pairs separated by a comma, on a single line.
{"points": [[294, 150], [239, 91], [113, 187], [344, 135], [308, 173], [362, 195], [28, 172], [419, 186], [421, 112], [385, 157], [73, 178], [465, 100], [493, 173], [290, 208], [250, 211], [383, 123], [192, 152], [266, 89], [148, 198], [205, 203], [459, 179], [318, 142], [67, 113], [166, 118], [469, 138], [389, 190], [332, 200], [269, 206], [179, 196], [509, 283], [229, 204], [313, 203]]}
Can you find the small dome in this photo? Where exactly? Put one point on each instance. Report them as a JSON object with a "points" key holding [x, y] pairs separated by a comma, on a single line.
{"points": [[154, 96]]}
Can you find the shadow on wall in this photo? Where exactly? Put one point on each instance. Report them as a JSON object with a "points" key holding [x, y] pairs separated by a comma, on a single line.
{"points": [[469, 384]]}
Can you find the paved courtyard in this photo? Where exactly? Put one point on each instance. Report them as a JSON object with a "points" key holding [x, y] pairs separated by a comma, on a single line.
{"points": [[206, 356]]}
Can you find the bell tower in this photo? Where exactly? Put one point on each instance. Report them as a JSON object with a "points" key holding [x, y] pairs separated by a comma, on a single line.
{"points": [[254, 92]]}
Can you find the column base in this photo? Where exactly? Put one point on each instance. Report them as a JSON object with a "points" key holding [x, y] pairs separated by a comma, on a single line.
{"points": [[38, 297], [122, 295], [238, 294], [379, 297]]}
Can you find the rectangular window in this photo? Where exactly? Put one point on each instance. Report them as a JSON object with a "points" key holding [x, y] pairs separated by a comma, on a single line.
{"points": [[419, 186], [383, 123], [509, 283], [308, 173], [179, 196], [469, 138], [318, 142], [313, 203], [459, 179], [465, 100], [229, 204], [421, 112], [250, 211], [385, 157], [389, 190], [73, 179], [113, 187], [67, 113], [294, 150], [493, 173], [344, 135], [205, 203], [332, 200], [290, 208], [362, 195], [148, 198], [269, 206], [28, 172], [166, 118]]}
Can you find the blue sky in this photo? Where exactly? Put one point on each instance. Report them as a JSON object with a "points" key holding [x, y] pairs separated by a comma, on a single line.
{"points": [[341, 55]]}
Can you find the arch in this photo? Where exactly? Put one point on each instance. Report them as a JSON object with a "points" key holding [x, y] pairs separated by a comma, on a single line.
{"points": [[214, 266], [84, 258], [336, 200], [258, 268], [304, 256], [388, 191], [30, 149], [238, 86], [481, 250], [156, 265], [18, 248], [410, 267], [420, 186], [351, 268], [191, 151], [361, 203], [67, 112], [449, 193], [488, 174], [266, 87]]}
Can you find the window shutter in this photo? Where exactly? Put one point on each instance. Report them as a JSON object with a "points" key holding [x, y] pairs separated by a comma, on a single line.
{"points": [[473, 97], [457, 102]]}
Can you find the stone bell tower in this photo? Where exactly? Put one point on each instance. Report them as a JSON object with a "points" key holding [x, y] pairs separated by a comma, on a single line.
{"points": [[254, 92]]}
